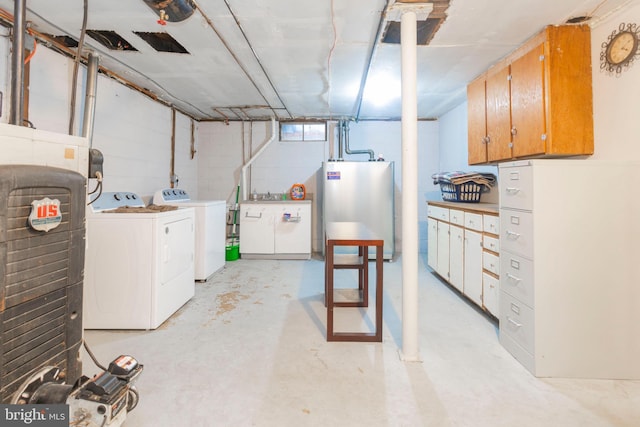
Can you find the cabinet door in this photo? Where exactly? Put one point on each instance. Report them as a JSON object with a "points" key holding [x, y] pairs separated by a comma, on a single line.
{"points": [[498, 115], [443, 250], [477, 121], [256, 223], [490, 292], [432, 243], [528, 103], [292, 229], [456, 256], [473, 266]]}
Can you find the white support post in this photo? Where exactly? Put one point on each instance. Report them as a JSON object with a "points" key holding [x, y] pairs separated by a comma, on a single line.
{"points": [[408, 34]]}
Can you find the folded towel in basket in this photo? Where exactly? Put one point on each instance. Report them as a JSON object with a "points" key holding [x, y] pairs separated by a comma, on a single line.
{"points": [[460, 177]]}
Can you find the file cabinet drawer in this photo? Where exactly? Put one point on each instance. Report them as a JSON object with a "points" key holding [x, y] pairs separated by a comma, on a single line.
{"points": [[516, 232], [517, 321], [516, 277], [516, 187]]}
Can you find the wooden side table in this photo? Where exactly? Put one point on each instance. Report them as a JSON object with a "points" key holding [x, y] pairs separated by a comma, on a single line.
{"points": [[353, 234]]}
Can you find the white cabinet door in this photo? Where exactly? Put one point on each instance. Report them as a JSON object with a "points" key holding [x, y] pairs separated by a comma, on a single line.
{"points": [[490, 292], [257, 231], [473, 266], [292, 228], [432, 243], [443, 250], [456, 256]]}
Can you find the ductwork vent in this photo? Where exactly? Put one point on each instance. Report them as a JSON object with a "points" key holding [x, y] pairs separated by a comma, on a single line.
{"points": [[162, 42], [111, 40]]}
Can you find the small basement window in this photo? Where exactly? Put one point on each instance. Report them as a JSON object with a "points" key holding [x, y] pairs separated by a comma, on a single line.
{"points": [[303, 131]]}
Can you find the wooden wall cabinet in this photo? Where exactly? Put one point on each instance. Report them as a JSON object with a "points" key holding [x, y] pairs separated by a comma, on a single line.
{"points": [[536, 102]]}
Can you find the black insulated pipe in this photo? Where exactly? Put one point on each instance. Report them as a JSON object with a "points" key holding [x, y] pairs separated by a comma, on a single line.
{"points": [[17, 63]]}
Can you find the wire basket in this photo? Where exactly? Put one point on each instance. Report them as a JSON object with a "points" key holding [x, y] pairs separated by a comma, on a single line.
{"points": [[468, 192]]}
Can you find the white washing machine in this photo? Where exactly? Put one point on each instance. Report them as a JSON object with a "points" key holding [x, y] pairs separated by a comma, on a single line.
{"points": [[211, 220], [139, 267]]}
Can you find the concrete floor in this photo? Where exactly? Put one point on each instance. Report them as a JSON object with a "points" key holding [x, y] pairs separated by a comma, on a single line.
{"points": [[249, 350]]}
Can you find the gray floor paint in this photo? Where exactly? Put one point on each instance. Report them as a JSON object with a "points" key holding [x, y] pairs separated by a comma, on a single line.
{"points": [[249, 350]]}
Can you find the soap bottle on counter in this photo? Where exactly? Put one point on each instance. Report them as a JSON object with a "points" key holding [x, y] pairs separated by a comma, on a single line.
{"points": [[254, 195]]}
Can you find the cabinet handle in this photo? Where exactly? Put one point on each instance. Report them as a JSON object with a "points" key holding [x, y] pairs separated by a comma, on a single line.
{"points": [[513, 190], [486, 139], [246, 215], [514, 323], [513, 234], [514, 131], [514, 278]]}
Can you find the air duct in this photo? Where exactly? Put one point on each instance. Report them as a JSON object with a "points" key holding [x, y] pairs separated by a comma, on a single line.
{"points": [[90, 98], [172, 10]]}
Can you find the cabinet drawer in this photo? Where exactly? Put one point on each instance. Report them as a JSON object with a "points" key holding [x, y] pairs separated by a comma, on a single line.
{"points": [[491, 243], [456, 217], [438, 212], [491, 224], [491, 262], [516, 277], [473, 221], [516, 187], [516, 232], [517, 321]]}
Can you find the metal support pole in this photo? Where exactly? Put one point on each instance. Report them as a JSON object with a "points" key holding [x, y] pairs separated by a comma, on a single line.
{"points": [[408, 34]]}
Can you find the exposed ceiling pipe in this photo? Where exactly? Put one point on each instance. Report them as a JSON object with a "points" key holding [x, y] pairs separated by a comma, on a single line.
{"points": [[233, 55], [255, 156], [90, 97], [255, 55], [372, 53], [348, 150], [340, 140], [17, 63]]}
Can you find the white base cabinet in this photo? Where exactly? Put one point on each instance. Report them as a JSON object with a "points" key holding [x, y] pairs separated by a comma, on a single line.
{"points": [[277, 230], [569, 275], [456, 251]]}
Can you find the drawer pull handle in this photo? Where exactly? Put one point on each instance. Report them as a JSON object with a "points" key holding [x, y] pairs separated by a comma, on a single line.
{"points": [[246, 215], [514, 323], [513, 235], [514, 278], [513, 190]]}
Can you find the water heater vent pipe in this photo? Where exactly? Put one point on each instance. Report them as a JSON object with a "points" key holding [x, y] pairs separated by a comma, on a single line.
{"points": [[243, 172]]}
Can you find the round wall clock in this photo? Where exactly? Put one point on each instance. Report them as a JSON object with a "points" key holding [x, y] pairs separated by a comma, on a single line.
{"points": [[620, 49]]}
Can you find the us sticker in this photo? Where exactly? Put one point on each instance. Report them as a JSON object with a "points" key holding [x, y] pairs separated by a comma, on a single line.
{"points": [[45, 214]]}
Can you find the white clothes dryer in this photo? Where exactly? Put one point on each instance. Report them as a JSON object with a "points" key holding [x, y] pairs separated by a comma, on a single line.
{"points": [[139, 266], [211, 224]]}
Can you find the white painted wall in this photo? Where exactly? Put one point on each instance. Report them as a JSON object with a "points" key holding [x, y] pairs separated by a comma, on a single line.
{"points": [[134, 133], [283, 164]]}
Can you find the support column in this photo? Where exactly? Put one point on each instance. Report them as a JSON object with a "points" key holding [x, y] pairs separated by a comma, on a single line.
{"points": [[408, 34]]}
